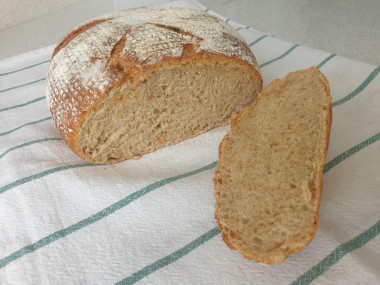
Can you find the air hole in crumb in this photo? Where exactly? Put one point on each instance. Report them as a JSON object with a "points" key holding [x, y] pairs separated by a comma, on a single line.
{"points": [[258, 241]]}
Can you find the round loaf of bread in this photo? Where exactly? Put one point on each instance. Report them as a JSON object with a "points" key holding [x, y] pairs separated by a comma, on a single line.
{"points": [[127, 83]]}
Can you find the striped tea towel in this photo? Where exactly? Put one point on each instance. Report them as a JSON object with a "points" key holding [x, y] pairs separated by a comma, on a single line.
{"points": [[63, 221]]}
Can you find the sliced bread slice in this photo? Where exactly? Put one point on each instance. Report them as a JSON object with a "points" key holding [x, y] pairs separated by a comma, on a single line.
{"points": [[268, 180]]}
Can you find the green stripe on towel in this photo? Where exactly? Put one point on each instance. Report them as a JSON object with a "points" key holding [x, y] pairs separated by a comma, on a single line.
{"points": [[338, 254], [170, 258], [325, 61], [27, 67], [259, 39], [42, 174], [368, 80], [22, 85], [350, 152], [28, 143], [24, 125], [23, 104], [280, 57]]}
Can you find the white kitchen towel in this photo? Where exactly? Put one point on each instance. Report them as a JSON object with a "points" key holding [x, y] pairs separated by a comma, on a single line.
{"points": [[63, 221]]}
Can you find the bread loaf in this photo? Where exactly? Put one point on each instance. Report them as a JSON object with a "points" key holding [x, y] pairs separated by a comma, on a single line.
{"points": [[127, 83], [268, 180]]}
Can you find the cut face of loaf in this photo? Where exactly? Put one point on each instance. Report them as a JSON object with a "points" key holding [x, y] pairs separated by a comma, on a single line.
{"points": [[268, 180], [127, 83], [164, 107]]}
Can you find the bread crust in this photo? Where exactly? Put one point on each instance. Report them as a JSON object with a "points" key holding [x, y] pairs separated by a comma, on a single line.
{"points": [[71, 99], [243, 115]]}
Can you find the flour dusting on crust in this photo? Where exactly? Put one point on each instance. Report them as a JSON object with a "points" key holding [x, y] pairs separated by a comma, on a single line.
{"points": [[81, 72]]}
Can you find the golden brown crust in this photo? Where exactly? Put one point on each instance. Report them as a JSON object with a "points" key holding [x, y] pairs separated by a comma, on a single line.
{"points": [[72, 96], [70, 36], [244, 115]]}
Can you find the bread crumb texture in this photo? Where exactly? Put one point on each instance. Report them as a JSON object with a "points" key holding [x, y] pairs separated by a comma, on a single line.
{"points": [[268, 180], [116, 83]]}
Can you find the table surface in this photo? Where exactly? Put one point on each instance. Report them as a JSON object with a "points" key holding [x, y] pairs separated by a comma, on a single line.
{"points": [[346, 27]]}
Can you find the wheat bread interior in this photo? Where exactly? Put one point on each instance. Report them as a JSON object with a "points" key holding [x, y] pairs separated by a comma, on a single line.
{"points": [[166, 106], [269, 177]]}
